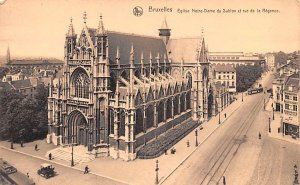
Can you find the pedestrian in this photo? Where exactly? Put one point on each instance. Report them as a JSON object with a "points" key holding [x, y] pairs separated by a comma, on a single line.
{"points": [[224, 180], [166, 152], [27, 174], [36, 147], [225, 115], [259, 135], [50, 156], [21, 143], [86, 169], [188, 143]]}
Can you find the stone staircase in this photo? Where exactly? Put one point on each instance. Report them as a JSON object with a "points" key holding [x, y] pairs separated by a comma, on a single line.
{"points": [[80, 154]]}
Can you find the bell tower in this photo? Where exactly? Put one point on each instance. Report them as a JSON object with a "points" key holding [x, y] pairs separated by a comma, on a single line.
{"points": [[164, 31]]}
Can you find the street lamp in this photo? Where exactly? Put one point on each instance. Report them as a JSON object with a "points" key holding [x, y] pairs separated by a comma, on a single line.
{"points": [[219, 118], [273, 113], [242, 97], [156, 170], [72, 160], [196, 134], [72, 154], [264, 104], [269, 124]]}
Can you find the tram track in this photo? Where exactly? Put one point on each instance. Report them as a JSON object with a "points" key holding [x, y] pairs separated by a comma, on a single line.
{"points": [[224, 153]]}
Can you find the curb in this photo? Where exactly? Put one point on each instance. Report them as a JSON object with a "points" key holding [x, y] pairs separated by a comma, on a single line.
{"points": [[103, 176], [188, 156]]}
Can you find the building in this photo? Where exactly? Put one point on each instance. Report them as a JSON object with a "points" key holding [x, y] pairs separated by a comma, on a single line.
{"points": [[270, 61], [235, 58], [14, 77], [291, 112], [25, 86], [122, 90], [284, 72], [32, 63], [226, 75]]}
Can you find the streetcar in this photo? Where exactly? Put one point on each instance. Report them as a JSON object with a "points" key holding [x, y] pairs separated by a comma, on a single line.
{"points": [[255, 90]]}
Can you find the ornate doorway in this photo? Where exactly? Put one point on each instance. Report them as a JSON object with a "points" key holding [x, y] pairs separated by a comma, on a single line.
{"points": [[76, 130]]}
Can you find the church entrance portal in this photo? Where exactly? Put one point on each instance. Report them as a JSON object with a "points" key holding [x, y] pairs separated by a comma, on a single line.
{"points": [[76, 130]]}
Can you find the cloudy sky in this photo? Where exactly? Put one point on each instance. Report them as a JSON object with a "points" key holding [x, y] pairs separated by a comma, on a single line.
{"points": [[38, 27]]}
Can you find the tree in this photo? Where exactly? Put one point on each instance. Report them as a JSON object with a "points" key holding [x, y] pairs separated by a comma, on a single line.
{"points": [[23, 118], [247, 76]]}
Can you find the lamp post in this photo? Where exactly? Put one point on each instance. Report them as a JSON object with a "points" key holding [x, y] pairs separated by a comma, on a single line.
{"points": [[264, 104], [242, 97], [269, 124], [72, 160], [156, 172], [72, 154], [273, 113], [196, 134], [219, 118]]}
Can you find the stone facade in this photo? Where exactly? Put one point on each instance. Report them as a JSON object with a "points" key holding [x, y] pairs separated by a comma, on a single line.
{"points": [[122, 90]]}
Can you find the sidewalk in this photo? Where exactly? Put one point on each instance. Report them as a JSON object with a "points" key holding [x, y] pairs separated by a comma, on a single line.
{"points": [[277, 123], [140, 171]]}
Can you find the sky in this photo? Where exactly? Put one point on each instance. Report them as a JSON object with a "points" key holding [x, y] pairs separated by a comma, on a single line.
{"points": [[38, 27]]}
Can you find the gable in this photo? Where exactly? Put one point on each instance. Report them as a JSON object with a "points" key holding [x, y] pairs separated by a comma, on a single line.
{"points": [[150, 96], [138, 98], [161, 92]]}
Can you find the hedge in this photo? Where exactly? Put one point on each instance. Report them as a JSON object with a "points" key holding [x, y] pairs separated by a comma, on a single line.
{"points": [[164, 142]]}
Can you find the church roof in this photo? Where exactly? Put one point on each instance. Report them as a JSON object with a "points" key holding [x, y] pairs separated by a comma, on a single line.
{"points": [[183, 49], [141, 43]]}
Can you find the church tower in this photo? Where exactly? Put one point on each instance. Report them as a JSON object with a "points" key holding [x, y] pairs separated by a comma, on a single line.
{"points": [[70, 41], [165, 32], [7, 55]]}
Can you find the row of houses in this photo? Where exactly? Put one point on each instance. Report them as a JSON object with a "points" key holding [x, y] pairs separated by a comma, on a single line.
{"points": [[286, 96]]}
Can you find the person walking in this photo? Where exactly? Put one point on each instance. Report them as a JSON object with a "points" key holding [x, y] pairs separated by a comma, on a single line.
{"points": [[36, 147], [50, 156], [86, 169], [224, 180]]}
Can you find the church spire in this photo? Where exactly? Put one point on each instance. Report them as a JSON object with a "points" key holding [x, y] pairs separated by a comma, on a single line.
{"points": [[84, 17], [101, 30], [8, 55], [164, 24], [164, 31], [71, 31]]}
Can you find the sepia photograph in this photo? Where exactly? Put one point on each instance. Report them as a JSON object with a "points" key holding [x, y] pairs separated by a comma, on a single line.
{"points": [[149, 92]]}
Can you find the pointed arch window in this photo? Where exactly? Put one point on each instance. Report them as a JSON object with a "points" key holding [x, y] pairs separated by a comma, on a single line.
{"points": [[81, 85]]}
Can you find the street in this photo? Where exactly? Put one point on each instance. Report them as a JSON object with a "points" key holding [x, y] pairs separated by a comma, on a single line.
{"points": [[65, 175], [237, 153]]}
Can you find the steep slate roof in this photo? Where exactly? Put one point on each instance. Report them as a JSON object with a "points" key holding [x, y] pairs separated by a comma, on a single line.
{"points": [[183, 49], [5, 85], [141, 43], [293, 80], [224, 68], [19, 84]]}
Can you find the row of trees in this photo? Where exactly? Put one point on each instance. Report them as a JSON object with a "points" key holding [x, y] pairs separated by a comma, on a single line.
{"points": [[23, 118], [246, 76]]}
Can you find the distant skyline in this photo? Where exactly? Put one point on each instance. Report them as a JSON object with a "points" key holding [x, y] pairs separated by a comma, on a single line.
{"points": [[38, 27]]}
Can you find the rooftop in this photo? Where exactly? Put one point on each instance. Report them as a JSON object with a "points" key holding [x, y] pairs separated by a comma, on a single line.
{"points": [[224, 68]]}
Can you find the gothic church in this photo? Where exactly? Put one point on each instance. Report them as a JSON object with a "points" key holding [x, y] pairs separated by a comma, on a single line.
{"points": [[122, 90]]}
